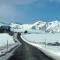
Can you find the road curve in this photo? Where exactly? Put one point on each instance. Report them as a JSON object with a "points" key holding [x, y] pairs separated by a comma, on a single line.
{"points": [[28, 52]]}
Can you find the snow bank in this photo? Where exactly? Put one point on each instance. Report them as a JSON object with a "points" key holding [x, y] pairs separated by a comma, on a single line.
{"points": [[47, 51], [5, 53]]}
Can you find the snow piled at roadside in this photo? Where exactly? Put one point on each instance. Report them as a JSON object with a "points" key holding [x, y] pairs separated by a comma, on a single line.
{"points": [[48, 52], [5, 53]]}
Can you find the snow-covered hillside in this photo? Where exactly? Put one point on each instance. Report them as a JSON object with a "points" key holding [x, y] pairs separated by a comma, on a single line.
{"points": [[40, 25], [53, 26]]}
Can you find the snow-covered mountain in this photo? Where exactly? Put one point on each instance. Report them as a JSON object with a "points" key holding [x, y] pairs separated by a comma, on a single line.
{"points": [[1, 24], [15, 26], [53, 26], [40, 25]]}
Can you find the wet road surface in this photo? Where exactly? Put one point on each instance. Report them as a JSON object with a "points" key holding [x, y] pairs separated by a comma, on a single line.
{"points": [[28, 52]]}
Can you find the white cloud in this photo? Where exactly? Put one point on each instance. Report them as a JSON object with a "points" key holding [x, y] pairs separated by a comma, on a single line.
{"points": [[7, 7], [7, 13], [21, 2], [17, 2], [25, 2]]}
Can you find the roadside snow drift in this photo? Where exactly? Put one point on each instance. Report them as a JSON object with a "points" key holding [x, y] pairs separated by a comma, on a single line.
{"points": [[52, 51], [7, 45]]}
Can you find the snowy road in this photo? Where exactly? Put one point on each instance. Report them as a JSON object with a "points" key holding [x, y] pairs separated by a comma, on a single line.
{"points": [[28, 52]]}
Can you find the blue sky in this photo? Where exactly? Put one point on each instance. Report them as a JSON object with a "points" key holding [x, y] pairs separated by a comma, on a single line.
{"points": [[28, 11]]}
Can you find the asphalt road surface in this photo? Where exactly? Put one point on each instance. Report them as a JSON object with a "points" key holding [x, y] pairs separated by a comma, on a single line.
{"points": [[28, 52]]}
